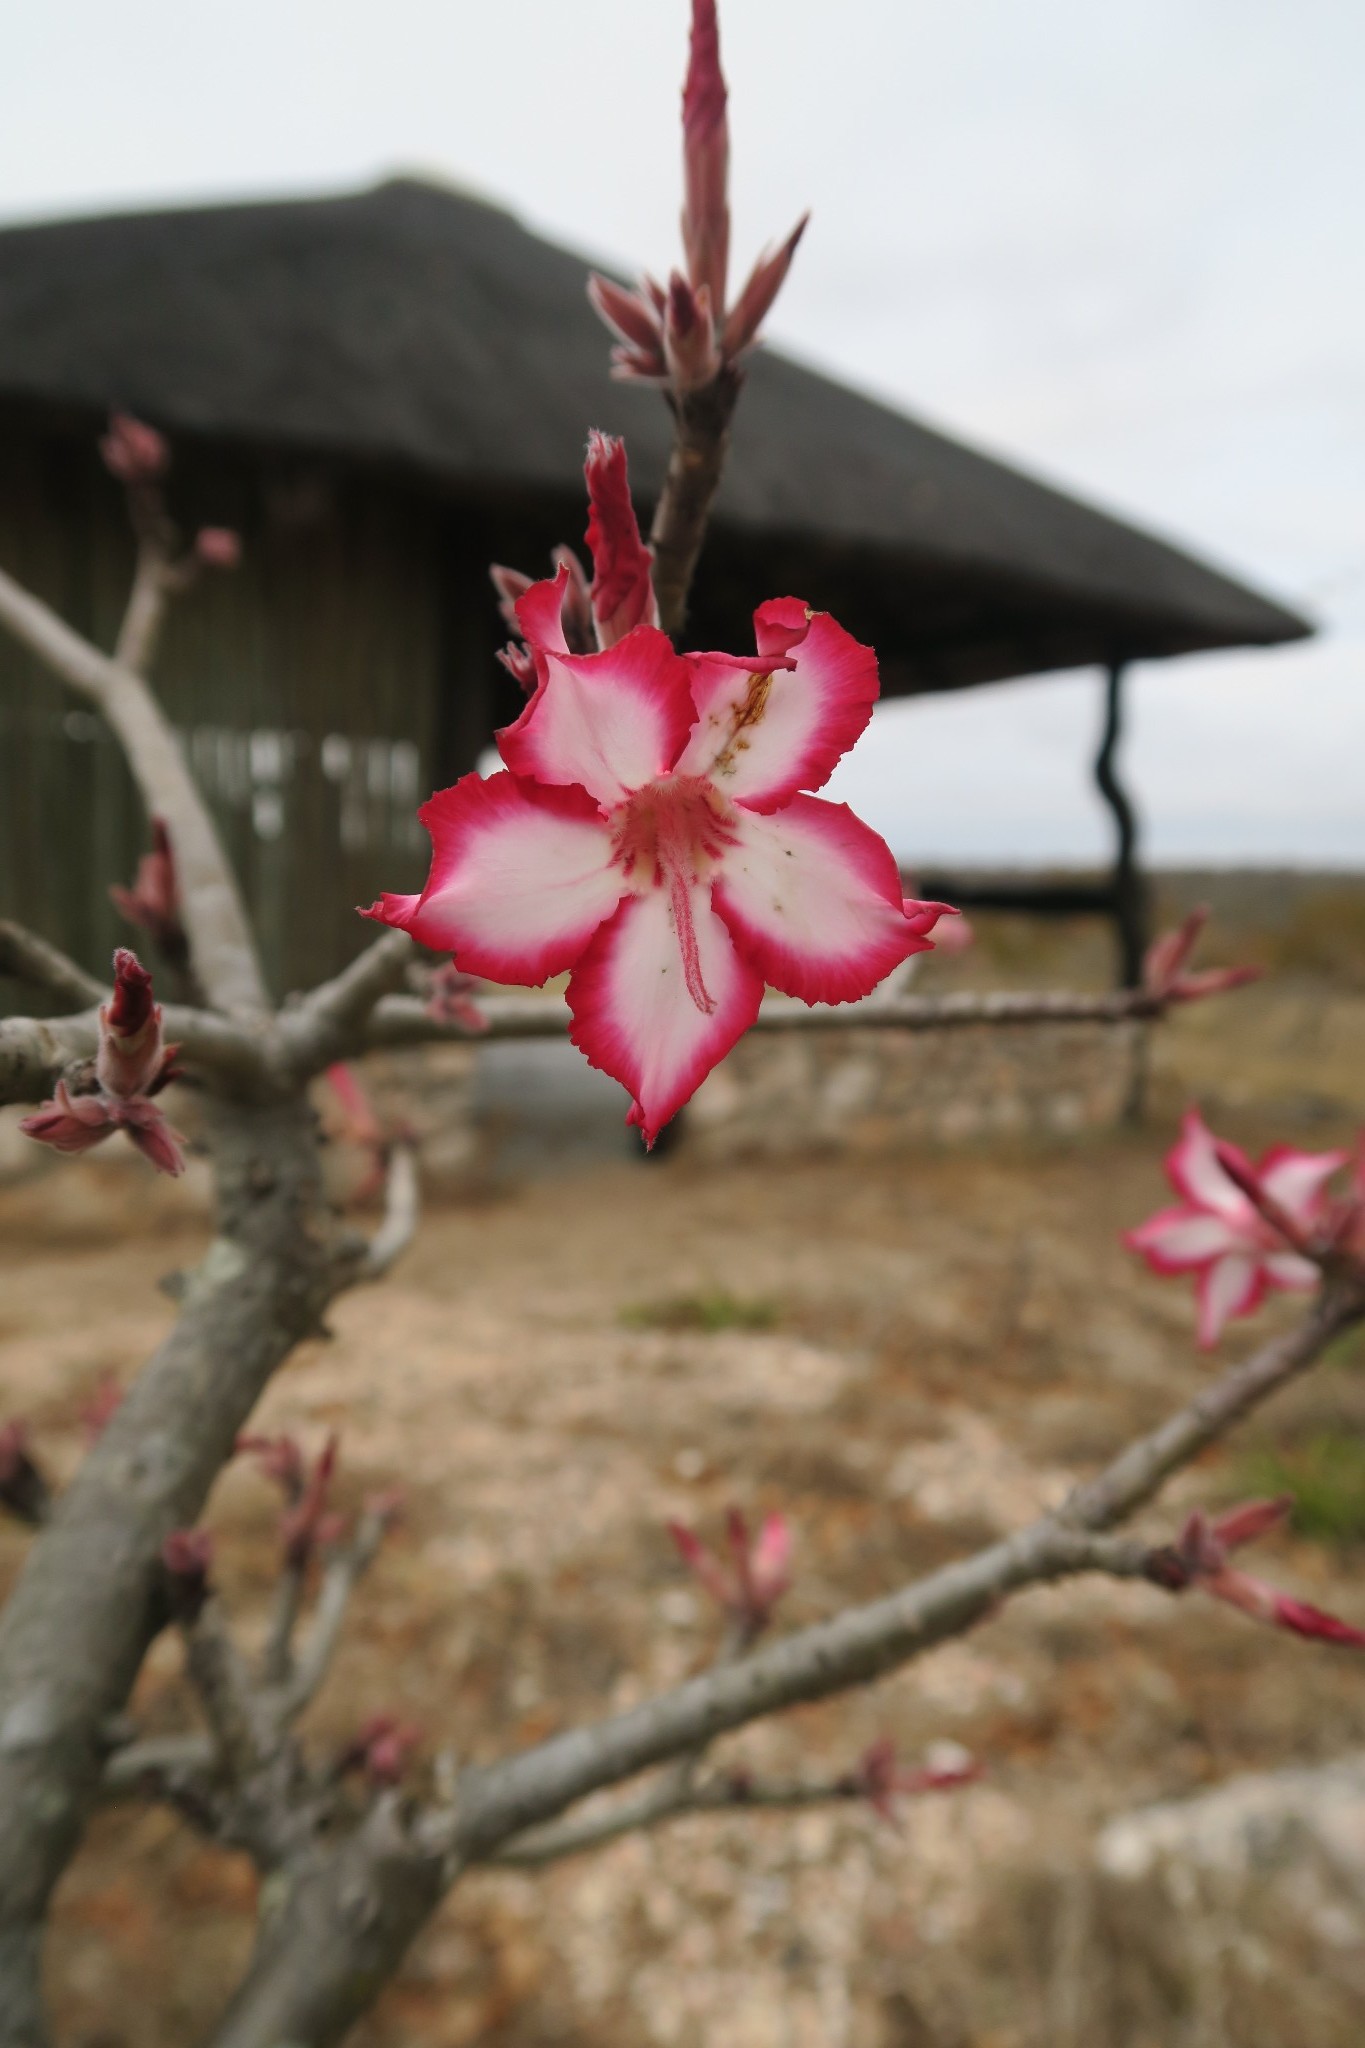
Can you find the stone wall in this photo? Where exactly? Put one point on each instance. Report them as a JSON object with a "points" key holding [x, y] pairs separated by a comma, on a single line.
{"points": [[872, 1091]]}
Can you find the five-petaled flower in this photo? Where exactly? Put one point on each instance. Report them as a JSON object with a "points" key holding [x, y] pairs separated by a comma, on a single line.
{"points": [[653, 833], [1200, 1558], [1218, 1231], [131, 1065]]}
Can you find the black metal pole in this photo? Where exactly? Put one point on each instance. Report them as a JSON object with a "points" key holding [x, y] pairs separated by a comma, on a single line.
{"points": [[1130, 891]]}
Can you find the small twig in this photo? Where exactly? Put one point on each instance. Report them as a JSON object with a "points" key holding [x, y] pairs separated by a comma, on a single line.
{"points": [[219, 1674], [402, 1211], [148, 601], [670, 1800], [35, 961], [157, 1759], [277, 1657], [346, 1568]]}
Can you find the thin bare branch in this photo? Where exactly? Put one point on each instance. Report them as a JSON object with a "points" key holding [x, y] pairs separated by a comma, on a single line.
{"points": [[154, 1759], [406, 1020], [666, 1800], [402, 1211], [222, 946], [219, 1674], [38, 963], [346, 1568], [865, 1642], [148, 602]]}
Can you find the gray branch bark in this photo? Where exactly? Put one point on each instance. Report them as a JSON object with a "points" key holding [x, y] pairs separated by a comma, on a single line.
{"points": [[346, 1923], [222, 946]]}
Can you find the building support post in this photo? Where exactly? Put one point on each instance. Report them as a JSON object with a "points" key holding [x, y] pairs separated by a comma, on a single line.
{"points": [[1129, 887]]}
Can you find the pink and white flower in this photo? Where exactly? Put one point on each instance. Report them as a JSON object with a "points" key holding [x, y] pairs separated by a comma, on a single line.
{"points": [[1219, 1232], [654, 835]]}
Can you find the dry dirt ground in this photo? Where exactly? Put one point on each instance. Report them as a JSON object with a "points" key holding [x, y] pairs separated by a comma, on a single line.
{"points": [[906, 1357]]}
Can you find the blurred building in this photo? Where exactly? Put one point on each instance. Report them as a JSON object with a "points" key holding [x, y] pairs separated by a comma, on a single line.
{"points": [[383, 393]]}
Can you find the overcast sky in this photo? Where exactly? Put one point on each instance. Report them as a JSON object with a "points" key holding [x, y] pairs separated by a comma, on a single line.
{"points": [[1118, 243]]}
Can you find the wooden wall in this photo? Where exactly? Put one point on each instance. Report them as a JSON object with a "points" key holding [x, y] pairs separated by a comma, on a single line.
{"points": [[310, 687]]}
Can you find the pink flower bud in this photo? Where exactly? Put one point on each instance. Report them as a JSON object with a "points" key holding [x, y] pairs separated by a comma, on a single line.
{"points": [[879, 1777], [131, 1055], [306, 1524], [134, 452], [153, 902], [622, 594], [99, 1408], [187, 1555], [754, 303], [706, 158], [576, 611], [380, 1748], [1200, 1556], [450, 999], [770, 1562], [689, 336], [636, 321], [759, 1572], [1163, 975], [70, 1123], [280, 1459], [218, 547]]}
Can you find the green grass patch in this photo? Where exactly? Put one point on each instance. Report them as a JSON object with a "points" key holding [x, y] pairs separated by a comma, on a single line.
{"points": [[1325, 1472], [709, 1310]]}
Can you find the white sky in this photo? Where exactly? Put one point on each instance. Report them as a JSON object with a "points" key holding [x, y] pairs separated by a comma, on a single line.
{"points": [[1120, 243]]}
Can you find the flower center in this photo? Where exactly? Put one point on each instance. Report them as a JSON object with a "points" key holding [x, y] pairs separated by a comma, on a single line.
{"points": [[672, 835]]}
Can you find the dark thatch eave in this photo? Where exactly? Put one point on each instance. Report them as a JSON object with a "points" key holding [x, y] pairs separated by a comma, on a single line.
{"points": [[413, 327]]}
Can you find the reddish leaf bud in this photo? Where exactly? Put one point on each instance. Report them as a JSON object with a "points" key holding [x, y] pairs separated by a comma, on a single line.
{"points": [[134, 452], [218, 547]]}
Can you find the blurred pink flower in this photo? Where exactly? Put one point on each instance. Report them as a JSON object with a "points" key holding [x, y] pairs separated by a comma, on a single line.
{"points": [[757, 1575], [134, 452], [1200, 1558], [1219, 1233]]}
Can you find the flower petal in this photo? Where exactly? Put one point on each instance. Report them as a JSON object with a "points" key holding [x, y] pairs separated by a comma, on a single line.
{"points": [[813, 899], [761, 737], [1288, 1270], [1194, 1172], [1175, 1240], [1295, 1179], [540, 613], [1231, 1286], [521, 877], [633, 1015], [609, 722]]}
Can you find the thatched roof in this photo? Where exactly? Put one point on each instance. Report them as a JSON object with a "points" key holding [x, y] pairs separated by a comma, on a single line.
{"points": [[415, 327]]}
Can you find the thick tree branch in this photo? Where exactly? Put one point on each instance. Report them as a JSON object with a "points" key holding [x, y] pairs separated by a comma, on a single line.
{"points": [[322, 1026], [35, 1052], [90, 1594], [222, 947], [32, 960]]}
